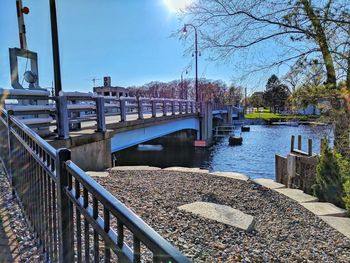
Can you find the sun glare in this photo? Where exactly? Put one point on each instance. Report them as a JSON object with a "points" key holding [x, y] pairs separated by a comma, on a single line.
{"points": [[177, 5]]}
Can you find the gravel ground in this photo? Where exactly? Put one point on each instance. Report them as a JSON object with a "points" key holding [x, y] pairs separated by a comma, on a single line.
{"points": [[284, 230], [21, 237]]}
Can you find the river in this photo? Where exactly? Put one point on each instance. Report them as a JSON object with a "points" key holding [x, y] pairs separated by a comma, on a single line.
{"points": [[255, 157]]}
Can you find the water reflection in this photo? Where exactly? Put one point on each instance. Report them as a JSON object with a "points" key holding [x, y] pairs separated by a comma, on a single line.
{"points": [[254, 158]]}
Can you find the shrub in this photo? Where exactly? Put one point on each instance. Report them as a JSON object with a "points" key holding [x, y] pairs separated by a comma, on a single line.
{"points": [[333, 177], [347, 195]]}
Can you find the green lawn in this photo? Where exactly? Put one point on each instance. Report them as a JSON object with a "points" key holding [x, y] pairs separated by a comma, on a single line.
{"points": [[275, 116]]}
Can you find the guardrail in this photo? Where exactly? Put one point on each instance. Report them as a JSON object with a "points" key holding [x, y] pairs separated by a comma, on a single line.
{"points": [[75, 218]]}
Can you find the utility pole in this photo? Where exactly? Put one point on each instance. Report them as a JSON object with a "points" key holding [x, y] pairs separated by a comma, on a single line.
{"points": [[21, 26], [245, 100], [196, 54], [94, 81]]}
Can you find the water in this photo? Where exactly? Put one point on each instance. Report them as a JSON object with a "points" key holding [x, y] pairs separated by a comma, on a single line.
{"points": [[255, 157]]}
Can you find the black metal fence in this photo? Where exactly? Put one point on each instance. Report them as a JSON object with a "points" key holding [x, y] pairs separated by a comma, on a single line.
{"points": [[75, 218]]}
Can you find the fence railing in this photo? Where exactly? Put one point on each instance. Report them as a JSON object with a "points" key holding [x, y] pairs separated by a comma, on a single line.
{"points": [[75, 218]]}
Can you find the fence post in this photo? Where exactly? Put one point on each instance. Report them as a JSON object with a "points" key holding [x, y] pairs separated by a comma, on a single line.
{"points": [[122, 109], [62, 117], [192, 109], [154, 108], [9, 160], [164, 108], [173, 110], [65, 209], [100, 113], [140, 108], [186, 105]]}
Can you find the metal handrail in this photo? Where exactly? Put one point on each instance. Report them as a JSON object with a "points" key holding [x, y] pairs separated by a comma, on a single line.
{"points": [[51, 200], [40, 141], [135, 224]]}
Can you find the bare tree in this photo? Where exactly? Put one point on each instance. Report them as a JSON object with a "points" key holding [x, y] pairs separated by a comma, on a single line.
{"points": [[301, 28]]}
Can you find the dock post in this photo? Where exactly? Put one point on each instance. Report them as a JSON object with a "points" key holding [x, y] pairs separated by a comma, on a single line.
{"points": [[310, 147], [299, 142], [292, 143]]}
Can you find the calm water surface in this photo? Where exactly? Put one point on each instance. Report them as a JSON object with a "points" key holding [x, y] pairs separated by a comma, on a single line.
{"points": [[255, 158]]}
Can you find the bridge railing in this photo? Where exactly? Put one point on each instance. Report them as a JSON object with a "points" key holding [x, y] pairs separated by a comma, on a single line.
{"points": [[70, 110], [75, 218], [103, 107]]}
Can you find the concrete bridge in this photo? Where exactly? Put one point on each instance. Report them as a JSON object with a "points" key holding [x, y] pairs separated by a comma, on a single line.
{"points": [[93, 127]]}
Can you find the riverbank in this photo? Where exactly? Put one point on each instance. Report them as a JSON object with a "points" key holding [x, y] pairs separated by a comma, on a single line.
{"points": [[284, 230], [269, 118]]}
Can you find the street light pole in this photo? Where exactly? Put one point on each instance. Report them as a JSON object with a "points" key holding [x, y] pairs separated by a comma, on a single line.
{"points": [[55, 48], [184, 94], [196, 54]]}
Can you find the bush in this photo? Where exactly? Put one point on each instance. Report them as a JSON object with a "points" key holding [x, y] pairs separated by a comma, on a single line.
{"points": [[347, 194], [332, 178]]}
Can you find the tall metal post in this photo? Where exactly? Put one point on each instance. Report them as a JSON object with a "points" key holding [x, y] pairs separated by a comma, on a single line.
{"points": [[196, 51], [62, 117], [65, 208], [55, 48], [21, 25]]}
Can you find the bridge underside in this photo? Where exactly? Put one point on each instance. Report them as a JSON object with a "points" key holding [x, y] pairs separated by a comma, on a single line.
{"points": [[133, 137], [92, 150]]}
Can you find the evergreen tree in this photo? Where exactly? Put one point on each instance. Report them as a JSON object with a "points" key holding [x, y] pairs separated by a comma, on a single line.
{"points": [[332, 172]]}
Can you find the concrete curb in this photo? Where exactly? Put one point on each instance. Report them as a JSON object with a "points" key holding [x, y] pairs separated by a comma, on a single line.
{"points": [[329, 213]]}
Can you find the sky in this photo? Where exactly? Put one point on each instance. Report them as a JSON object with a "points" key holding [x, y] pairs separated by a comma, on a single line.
{"points": [[129, 40]]}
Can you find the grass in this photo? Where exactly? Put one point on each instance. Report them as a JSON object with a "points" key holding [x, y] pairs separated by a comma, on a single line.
{"points": [[275, 116]]}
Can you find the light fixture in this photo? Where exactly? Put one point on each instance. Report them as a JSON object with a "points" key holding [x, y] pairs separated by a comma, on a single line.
{"points": [[184, 30]]}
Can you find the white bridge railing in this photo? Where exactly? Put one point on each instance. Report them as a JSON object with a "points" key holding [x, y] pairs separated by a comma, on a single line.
{"points": [[69, 110]]}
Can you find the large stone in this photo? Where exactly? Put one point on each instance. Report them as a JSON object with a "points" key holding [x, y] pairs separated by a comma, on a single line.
{"points": [[324, 209], [135, 168], [97, 174], [186, 169], [232, 175], [271, 184], [297, 195], [342, 224], [221, 213]]}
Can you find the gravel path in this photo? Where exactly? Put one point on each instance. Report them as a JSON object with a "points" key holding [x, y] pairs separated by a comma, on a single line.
{"points": [[23, 243], [284, 230]]}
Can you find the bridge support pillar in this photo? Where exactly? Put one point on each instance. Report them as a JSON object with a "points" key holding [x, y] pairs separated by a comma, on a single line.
{"points": [[206, 125], [229, 115], [94, 156]]}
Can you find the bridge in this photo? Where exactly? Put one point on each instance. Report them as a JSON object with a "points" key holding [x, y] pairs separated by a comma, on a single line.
{"points": [[99, 126]]}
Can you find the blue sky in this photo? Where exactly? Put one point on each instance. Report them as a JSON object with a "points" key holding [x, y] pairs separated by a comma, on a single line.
{"points": [[128, 40]]}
